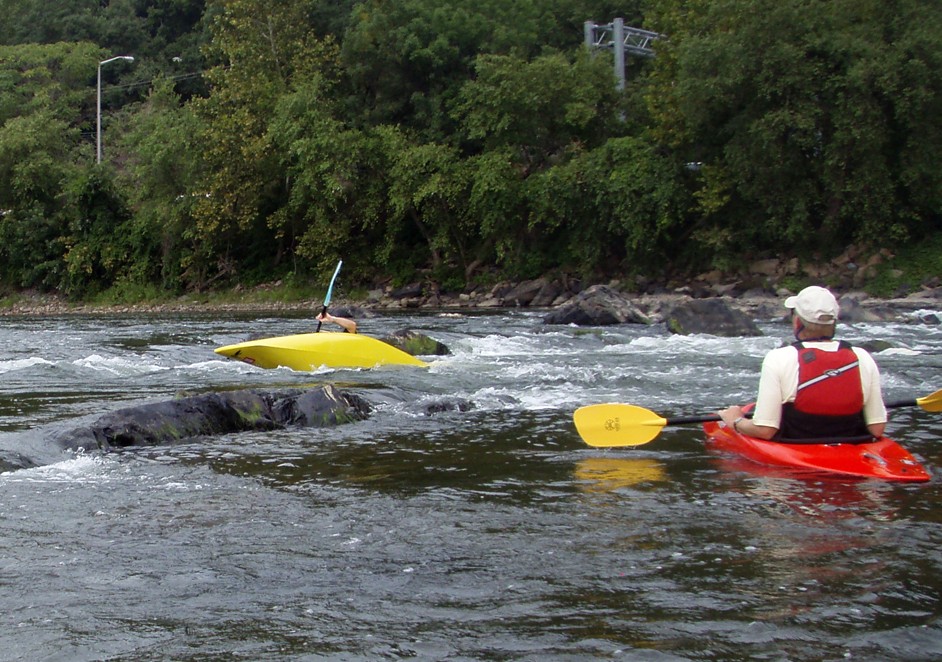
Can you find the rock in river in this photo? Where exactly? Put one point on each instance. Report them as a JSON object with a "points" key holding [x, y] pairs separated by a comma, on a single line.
{"points": [[712, 316], [599, 305], [215, 413]]}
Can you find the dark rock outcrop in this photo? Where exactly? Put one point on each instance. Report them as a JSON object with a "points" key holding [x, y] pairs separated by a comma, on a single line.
{"points": [[852, 311], [929, 318], [599, 305], [415, 343], [548, 294], [409, 291], [537, 293], [711, 316], [351, 311], [213, 414]]}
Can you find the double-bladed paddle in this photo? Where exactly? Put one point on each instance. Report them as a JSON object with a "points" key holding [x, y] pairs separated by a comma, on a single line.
{"points": [[608, 425], [330, 291]]}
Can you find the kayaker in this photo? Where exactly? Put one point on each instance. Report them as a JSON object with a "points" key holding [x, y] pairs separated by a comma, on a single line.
{"points": [[347, 324], [832, 390]]}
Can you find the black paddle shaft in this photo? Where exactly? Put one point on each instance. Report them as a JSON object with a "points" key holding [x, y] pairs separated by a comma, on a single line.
{"points": [[704, 418], [681, 420]]}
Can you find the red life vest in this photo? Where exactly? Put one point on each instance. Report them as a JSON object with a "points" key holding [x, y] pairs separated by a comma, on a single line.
{"points": [[829, 402]]}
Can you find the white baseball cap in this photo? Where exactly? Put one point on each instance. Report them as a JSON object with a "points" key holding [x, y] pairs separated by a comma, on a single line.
{"points": [[815, 305]]}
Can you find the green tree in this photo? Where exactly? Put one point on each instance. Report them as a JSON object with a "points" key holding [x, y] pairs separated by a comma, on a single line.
{"points": [[378, 198], [33, 215], [540, 107], [263, 46], [43, 90], [57, 78], [427, 188], [164, 36], [405, 60], [621, 207], [329, 179], [28, 21], [802, 114], [528, 118], [97, 247], [164, 163]]}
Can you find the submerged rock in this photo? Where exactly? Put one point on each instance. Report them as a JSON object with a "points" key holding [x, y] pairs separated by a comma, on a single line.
{"points": [[214, 414], [11, 461], [875, 346], [442, 405]]}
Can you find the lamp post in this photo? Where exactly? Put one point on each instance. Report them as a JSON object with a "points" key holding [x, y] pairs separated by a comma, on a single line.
{"points": [[98, 114]]}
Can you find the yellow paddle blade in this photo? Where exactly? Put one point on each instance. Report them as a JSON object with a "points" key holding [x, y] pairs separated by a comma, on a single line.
{"points": [[932, 402], [617, 425]]}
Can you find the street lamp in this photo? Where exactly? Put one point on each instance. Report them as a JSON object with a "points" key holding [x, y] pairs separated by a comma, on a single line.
{"points": [[98, 115]]}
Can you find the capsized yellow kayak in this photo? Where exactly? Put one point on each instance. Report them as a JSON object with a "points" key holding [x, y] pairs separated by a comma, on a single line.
{"points": [[309, 351]]}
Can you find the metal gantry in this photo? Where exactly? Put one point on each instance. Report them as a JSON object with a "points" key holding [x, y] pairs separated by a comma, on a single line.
{"points": [[621, 39]]}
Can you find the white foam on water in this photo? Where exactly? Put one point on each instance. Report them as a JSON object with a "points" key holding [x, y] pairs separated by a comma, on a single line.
{"points": [[924, 312], [22, 364], [80, 469], [696, 344], [237, 367], [494, 346], [900, 351], [554, 397], [119, 366]]}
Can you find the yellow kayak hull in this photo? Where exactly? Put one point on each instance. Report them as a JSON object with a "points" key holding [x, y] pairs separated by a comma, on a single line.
{"points": [[309, 351]]}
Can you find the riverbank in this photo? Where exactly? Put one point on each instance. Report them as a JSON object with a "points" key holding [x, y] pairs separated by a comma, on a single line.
{"points": [[757, 286], [538, 294]]}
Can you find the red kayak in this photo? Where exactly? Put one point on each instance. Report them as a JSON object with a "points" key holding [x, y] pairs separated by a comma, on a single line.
{"points": [[883, 459]]}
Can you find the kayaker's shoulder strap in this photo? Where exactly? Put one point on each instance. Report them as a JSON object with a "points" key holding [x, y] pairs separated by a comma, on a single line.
{"points": [[841, 344]]}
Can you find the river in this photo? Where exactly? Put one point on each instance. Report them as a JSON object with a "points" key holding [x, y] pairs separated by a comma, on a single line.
{"points": [[492, 533]]}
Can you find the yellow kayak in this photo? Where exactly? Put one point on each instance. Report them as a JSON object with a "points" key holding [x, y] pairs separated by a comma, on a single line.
{"points": [[309, 351]]}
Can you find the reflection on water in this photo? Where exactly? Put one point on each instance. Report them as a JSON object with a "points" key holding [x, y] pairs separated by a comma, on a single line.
{"points": [[607, 474], [814, 494]]}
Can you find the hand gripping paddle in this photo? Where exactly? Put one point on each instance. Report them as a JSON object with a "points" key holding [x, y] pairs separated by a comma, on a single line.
{"points": [[330, 291]]}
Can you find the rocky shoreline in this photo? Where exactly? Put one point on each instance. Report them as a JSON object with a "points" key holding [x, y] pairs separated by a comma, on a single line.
{"points": [[540, 294], [756, 289]]}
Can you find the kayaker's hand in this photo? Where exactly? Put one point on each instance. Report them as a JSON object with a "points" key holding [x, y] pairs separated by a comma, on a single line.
{"points": [[730, 414], [348, 325]]}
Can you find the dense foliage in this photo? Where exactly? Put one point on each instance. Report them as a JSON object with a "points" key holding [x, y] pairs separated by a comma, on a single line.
{"points": [[460, 140]]}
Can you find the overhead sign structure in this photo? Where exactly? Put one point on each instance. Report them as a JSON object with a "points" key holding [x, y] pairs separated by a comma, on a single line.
{"points": [[621, 39]]}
